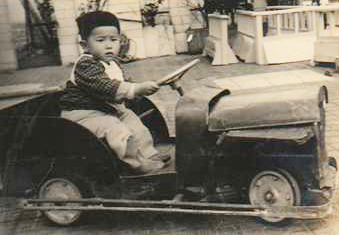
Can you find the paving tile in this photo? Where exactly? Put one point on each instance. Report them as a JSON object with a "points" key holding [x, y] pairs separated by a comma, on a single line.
{"points": [[251, 82], [227, 83], [283, 79]]}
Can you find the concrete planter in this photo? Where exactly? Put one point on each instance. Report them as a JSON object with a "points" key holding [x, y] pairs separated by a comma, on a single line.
{"points": [[181, 45], [159, 40]]}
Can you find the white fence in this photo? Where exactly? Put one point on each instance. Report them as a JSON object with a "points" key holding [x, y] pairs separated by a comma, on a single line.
{"points": [[284, 33]]}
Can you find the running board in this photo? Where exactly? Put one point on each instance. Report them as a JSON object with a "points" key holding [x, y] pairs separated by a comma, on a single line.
{"points": [[97, 204]]}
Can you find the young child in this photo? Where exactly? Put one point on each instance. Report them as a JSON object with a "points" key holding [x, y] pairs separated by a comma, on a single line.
{"points": [[94, 97]]}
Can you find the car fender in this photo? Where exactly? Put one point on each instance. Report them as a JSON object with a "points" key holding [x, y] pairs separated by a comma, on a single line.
{"points": [[164, 112], [71, 146]]}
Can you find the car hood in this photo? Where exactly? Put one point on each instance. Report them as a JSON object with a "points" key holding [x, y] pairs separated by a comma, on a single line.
{"points": [[268, 107]]}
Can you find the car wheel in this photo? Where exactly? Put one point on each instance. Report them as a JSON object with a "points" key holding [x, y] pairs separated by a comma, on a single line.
{"points": [[63, 188], [274, 188]]}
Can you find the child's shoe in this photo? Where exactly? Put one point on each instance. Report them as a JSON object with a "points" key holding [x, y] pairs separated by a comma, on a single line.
{"points": [[149, 166], [161, 157]]}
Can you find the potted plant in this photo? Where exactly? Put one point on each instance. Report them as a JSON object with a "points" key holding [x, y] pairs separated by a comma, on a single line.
{"points": [[149, 12], [91, 5]]}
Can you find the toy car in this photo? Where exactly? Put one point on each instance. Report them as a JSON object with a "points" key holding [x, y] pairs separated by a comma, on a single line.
{"points": [[254, 153]]}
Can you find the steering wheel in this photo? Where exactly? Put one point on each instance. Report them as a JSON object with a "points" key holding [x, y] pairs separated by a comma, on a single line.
{"points": [[172, 78]]}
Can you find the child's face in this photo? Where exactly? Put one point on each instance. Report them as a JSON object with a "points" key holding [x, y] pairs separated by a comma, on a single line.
{"points": [[103, 43]]}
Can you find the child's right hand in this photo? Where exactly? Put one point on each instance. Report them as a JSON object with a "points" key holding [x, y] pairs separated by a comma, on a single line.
{"points": [[146, 88]]}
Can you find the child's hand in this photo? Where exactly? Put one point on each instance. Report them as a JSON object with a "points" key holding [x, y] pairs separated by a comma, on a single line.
{"points": [[146, 88]]}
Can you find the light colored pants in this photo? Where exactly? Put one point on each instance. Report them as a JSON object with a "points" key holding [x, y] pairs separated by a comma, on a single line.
{"points": [[126, 135]]}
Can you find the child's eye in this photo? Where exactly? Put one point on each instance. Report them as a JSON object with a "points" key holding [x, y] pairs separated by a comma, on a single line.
{"points": [[100, 40]]}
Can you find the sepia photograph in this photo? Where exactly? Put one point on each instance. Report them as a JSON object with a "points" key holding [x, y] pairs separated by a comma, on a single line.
{"points": [[169, 117]]}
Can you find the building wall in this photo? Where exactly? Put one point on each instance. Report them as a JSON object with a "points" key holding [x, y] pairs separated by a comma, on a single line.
{"points": [[7, 52], [65, 13], [171, 28], [16, 12], [130, 9]]}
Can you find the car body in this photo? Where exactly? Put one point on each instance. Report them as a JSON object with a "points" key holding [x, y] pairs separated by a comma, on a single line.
{"points": [[249, 152]]}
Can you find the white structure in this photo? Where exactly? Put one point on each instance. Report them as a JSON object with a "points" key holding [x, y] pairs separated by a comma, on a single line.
{"points": [[217, 42], [326, 47], [285, 34]]}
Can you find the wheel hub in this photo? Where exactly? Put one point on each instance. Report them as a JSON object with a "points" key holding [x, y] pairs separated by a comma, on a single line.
{"points": [[270, 197], [274, 188], [60, 189]]}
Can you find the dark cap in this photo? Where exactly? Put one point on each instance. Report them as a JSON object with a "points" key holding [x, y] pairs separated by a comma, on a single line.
{"points": [[87, 22]]}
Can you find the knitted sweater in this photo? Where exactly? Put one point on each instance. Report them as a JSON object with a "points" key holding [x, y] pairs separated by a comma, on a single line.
{"points": [[93, 88]]}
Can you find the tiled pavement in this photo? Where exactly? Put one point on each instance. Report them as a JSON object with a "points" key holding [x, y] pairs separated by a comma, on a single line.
{"points": [[14, 221]]}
